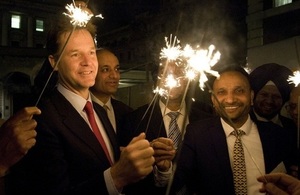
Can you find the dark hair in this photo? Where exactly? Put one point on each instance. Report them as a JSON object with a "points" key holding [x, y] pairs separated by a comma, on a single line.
{"points": [[62, 25], [42, 77], [228, 68]]}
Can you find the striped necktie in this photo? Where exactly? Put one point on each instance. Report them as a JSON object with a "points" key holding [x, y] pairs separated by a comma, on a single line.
{"points": [[174, 132]]}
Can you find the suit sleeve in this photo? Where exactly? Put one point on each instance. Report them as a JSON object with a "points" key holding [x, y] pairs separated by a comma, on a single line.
{"points": [[45, 169]]}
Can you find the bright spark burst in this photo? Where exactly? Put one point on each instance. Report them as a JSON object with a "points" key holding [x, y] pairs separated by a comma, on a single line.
{"points": [[172, 51], [190, 74], [160, 91], [171, 82], [295, 79], [79, 17], [196, 62], [201, 61]]}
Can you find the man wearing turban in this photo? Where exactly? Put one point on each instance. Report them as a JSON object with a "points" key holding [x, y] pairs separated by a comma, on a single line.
{"points": [[271, 92]]}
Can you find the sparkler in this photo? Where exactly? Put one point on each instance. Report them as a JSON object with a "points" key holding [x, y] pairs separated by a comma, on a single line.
{"points": [[170, 53], [79, 17], [295, 79]]}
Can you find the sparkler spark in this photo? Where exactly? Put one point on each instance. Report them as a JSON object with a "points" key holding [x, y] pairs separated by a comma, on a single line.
{"points": [[172, 51], [295, 79], [171, 82], [201, 61], [78, 16]]}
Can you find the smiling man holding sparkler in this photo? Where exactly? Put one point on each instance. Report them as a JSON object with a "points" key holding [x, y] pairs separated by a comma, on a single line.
{"points": [[208, 160], [76, 149]]}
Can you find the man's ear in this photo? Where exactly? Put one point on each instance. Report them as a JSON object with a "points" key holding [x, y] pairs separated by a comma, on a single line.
{"points": [[52, 61]]}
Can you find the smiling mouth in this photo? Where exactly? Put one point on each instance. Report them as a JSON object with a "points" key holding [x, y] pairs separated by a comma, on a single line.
{"points": [[230, 107], [86, 72]]}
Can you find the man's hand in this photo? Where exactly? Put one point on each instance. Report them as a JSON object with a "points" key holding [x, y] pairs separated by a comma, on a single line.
{"points": [[164, 152], [279, 184], [135, 163], [17, 136]]}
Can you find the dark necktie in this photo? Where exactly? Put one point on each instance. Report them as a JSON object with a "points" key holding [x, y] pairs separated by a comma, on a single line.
{"points": [[90, 114], [174, 132], [239, 166]]}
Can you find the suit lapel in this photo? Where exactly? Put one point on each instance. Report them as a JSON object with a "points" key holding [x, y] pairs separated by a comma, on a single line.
{"points": [[77, 125], [108, 128], [156, 126], [218, 138]]}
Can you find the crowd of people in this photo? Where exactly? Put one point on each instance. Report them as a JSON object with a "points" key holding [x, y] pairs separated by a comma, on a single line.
{"points": [[81, 140]]}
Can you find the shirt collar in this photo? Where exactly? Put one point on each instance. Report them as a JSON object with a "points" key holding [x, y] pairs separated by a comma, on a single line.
{"points": [[108, 103], [246, 127], [275, 119], [76, 100], [165, 110]]}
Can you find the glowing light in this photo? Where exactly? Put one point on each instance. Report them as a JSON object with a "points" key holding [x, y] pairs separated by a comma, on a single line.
{"points": [[160, 91], [171, 82], [172, 51], [201, 61], [190, 74], [294, 79], [79, 17]]}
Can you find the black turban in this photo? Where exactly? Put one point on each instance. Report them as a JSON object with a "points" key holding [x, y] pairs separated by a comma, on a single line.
{"points": [[271, 72]]}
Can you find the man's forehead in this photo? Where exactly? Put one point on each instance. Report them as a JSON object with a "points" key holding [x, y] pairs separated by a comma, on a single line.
{"points": [[228, 77]]}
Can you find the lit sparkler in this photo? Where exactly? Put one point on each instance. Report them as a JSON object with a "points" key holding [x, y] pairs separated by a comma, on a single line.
{"points": [[295, 79], [79, 17], [201, 61], [172, 51]]}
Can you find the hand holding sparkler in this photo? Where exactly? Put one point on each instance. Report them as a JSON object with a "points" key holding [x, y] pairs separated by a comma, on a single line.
{"points": [[164, 152], [279, 184]]}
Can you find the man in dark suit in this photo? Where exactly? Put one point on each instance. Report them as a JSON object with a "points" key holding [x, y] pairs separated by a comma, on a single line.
{"points": [[155, 121], [77, 153], [106, 85], [207, 160]]}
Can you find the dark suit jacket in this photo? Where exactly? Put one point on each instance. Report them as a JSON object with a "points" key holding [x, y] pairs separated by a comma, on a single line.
{"points": [[67, 157], [120, 110], [135, 124], [204, 163]]}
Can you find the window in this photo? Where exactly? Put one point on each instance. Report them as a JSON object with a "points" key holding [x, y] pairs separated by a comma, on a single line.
{"points": [[278, 3], [15, 21], [39, 25]]}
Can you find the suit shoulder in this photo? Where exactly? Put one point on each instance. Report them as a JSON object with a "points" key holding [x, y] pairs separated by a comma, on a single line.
{"points": [[121, 105]]}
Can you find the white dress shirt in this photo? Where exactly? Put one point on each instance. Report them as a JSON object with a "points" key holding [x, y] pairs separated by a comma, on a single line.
{"points": [[275, 119], [253, 151]]}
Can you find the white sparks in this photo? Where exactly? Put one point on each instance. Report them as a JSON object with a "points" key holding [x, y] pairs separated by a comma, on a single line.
{"points": [[78, 16], [160, 91], [295, 79], [171, 82], [99, 16], [172, 51], [201, 61]]}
